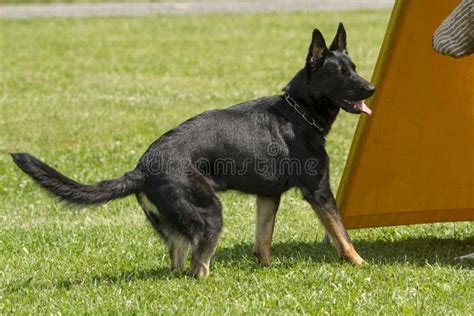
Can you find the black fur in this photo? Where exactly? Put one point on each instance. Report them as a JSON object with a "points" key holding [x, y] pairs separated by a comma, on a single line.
{"points": [[177, 177], [77, 193]]}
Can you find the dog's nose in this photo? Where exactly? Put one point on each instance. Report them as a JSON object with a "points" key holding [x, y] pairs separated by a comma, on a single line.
{"points": [[371, 89]]}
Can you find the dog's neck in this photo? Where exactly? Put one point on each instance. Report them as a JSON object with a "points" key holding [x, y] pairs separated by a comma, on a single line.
{"points": [[321, 109]]}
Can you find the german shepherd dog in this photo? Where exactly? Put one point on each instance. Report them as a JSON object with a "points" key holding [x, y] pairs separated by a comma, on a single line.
{"points": [[177, 178]]}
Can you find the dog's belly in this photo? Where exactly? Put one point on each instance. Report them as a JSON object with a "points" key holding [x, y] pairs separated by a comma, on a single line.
{"points": [[263, 184]]}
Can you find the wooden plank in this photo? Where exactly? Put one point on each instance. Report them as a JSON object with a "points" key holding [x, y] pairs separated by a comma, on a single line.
{"points": [[412, 160]]}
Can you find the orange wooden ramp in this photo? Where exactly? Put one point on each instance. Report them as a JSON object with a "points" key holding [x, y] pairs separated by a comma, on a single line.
{"points": [[412, 160]]}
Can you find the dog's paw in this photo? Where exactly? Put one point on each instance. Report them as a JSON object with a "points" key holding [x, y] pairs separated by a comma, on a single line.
{"points": [[356, 260], [199, 270], [361, 263], [263, 257]]}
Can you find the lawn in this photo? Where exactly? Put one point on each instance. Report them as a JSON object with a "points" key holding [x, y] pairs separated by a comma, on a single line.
{"points": [[89, 95]]}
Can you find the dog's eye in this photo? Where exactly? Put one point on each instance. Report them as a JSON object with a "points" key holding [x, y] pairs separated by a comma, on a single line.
{"points": [[342, 70]]}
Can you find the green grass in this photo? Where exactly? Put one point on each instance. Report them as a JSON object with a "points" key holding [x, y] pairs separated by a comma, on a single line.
{"points": [[89, 95]]}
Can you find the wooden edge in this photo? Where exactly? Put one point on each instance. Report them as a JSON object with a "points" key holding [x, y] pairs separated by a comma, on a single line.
{"points": [[410, 218], [383, 60]]}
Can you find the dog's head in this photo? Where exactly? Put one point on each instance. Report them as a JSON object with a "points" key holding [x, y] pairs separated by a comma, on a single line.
{"points": [[332, 74]]}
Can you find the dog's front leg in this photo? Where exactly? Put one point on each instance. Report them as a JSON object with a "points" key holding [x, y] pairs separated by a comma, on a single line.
{"points": [[267, 208], [324, 204], [178, 250]]}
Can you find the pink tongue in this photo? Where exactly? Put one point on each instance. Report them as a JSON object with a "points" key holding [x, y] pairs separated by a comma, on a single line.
{"points": [[360, 105]]}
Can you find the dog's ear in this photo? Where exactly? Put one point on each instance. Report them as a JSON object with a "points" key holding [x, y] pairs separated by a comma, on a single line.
{"points": [[339, 41], [317, 50]]}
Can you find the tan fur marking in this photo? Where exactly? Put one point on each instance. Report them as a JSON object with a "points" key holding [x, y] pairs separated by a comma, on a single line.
{"points": [[199, 269], [178, 246], [266, 212], [147, 205], [200, 263], [178, 252], [333, 225]]}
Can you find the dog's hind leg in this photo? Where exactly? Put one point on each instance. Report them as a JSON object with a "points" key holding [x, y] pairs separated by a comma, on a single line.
{"points": [[267, 208], [205, 242], [194, 212], [178, 251], [190, 212], [203, 250], [177, 245]]}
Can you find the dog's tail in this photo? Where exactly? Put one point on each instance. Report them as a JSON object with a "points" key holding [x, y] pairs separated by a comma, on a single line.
{"points": [[70, 191]]}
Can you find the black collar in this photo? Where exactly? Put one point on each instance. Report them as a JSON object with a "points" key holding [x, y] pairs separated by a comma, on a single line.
{"points": [[303, 113]]}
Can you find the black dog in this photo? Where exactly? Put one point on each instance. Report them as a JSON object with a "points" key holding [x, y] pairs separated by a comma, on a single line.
{"points": [[262, 147]]}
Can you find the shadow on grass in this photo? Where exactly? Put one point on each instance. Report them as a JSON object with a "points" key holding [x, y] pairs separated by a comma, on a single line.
{"points": [[161, 273], [417, 251]]}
